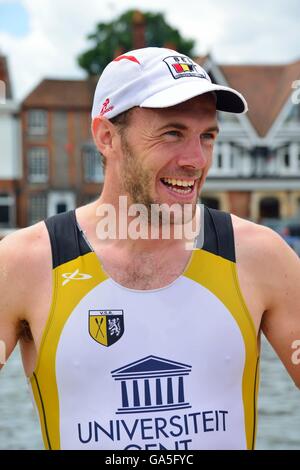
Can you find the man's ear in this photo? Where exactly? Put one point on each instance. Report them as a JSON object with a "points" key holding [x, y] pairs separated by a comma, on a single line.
{"points": [[103, 132]]}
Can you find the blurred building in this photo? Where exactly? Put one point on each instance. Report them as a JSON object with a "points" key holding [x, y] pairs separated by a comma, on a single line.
{"points": [[256, 166], [61, 167], [10, 154]]}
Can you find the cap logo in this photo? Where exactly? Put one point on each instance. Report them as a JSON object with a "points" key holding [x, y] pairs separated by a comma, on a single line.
{"points": [[128, 57], [105, 108], [182, 66]]}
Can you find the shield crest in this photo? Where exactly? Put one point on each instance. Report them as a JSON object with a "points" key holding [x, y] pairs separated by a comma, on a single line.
{"points": [[106, 326]]}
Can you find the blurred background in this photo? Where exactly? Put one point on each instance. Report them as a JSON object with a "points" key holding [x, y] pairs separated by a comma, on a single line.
{"points": [[51, 55]]}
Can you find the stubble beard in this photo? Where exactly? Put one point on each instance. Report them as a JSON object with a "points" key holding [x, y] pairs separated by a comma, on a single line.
{"points": [[135, 180], [136, 184]]}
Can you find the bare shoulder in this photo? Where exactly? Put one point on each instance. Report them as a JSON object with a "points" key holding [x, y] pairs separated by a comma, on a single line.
{"points": [[259, 241], [250, 232], [25, 259], [25, 269], [273, 268], [265, 256]]}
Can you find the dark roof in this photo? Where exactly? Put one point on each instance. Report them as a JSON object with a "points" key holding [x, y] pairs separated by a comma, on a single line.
{"points": [[62, 94]]}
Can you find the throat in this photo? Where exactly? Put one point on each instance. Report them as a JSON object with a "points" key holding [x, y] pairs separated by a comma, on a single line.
{"points": [[146, 273]]}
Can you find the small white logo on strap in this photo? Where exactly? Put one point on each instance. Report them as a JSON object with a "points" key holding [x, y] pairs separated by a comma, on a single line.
{"points": [[75, 276]]}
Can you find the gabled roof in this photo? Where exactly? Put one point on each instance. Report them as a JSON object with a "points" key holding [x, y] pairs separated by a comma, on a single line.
{"points": [[62, 94], [201, 59], [265, 87], [4, 76]]}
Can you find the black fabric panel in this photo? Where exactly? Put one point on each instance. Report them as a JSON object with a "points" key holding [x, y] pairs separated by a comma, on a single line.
{"points": [[218, 234], [67, 243]]}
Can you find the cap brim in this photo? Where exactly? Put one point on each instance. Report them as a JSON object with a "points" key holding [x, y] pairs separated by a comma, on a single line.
{"points": [[228, 99]]}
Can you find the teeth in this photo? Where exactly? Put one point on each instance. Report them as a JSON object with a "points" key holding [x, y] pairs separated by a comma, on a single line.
{"points": [[181, 191], [175, 182]]}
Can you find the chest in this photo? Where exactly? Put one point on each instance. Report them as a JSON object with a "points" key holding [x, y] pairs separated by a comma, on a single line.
{"points": [[145, 272], [142, 273], [164, 357]]}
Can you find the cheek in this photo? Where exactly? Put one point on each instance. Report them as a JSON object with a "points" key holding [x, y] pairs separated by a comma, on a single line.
{"points": [[161, 158], [208, 152]]}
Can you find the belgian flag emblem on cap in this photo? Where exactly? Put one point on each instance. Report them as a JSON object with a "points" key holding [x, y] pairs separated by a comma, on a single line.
{"points": [[182, 66]]}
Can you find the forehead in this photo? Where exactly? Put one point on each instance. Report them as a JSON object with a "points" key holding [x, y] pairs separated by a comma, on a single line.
{"points": [[200, 108]]}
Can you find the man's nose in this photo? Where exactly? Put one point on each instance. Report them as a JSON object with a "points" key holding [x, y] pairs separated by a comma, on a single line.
{"points": [[193, 154]]}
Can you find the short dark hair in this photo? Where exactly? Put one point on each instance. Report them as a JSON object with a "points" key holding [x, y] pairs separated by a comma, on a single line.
{"points": [[121, 121]]}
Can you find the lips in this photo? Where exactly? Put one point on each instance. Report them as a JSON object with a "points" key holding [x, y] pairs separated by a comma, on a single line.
{"points": [[182, 188]]}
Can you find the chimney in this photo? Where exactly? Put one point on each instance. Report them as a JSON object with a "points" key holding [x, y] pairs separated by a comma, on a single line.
{"points": [[119, 51], [4, 77], [170, 45], [138, 30]]}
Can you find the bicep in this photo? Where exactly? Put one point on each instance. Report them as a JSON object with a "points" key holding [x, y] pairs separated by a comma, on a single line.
{"points": [[10, 303], [8, 338], [281, 321]]}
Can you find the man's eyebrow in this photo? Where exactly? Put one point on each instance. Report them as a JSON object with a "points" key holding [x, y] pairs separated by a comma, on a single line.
{"points": [[183, 127], [176, 125], [213, 129]]}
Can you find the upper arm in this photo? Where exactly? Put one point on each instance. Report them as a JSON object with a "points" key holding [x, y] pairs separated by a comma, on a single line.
{"points": [[21, 256], [281, 320], [10, 296]]}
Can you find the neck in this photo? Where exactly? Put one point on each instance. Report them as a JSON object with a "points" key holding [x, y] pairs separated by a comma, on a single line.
{"points": [[110, 222]]}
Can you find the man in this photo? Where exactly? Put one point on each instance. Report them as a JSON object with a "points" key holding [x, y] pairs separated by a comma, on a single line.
{"points": [[139, 343]]}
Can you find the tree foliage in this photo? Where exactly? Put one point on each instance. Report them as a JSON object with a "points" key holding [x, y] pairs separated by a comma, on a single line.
{"points": [[112, 38]]}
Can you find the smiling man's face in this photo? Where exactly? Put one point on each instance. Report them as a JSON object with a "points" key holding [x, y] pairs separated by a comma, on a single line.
{"points": [[166, 153]]}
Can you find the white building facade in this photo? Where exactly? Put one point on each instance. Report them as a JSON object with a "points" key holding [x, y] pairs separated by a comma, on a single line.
{"points": [[256, 166], [10, 153]]}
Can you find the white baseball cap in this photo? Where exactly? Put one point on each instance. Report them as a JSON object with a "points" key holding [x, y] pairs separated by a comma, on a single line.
{"points": [[155, 77]]}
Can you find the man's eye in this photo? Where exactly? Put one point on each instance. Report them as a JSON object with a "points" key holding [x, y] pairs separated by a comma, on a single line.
{"points": [[208, 136], [174, 133]]}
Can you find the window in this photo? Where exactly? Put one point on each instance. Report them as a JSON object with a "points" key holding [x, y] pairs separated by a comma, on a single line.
{"points": [[6, 207], [37, 208], [37, 122], [93, 171], [4, 214], [61, 207], [286, 159], [219, 160], [294, 115], [224, 117], [38, 165], [211, 202], [2, 92], [233, 152]]}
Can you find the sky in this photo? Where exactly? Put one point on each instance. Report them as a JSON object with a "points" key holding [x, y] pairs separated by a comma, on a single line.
{"points": [[42, 38]]}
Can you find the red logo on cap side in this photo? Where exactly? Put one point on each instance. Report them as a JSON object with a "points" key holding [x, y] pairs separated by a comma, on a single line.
{"points": [[128, 57], [105, 108]]}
